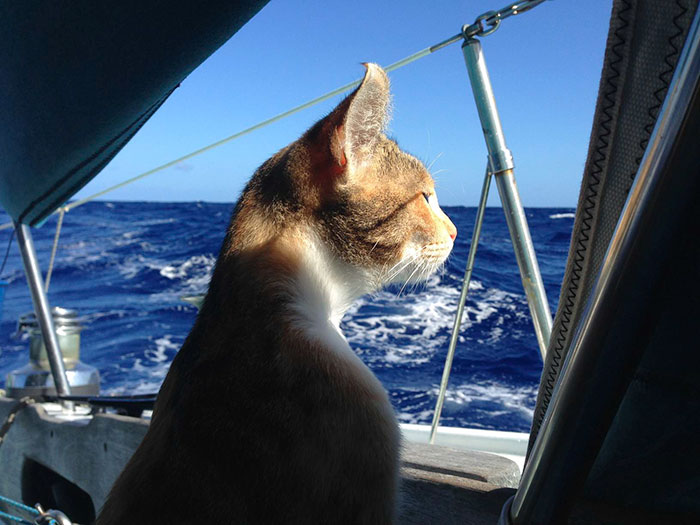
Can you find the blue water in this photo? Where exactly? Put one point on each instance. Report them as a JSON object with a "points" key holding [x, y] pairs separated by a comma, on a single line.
{"points": [[124, 266]]}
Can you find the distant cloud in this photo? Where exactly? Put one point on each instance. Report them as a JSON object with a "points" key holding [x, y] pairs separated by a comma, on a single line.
{"points": [[183, 166]]}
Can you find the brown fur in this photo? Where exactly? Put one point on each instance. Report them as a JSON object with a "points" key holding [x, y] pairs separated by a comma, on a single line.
{"points": [[258, 421]]}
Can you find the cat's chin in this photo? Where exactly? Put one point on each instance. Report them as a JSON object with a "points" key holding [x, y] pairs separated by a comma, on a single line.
{"points": [[417, 265]]}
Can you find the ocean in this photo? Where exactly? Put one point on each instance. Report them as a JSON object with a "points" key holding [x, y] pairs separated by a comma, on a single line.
{"points": [[124, 266]]}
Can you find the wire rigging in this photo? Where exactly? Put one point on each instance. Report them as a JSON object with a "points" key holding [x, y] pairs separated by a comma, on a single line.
{"points": [[7, 252]]}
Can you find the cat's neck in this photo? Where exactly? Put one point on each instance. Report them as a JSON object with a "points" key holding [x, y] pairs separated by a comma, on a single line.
{"points": [[325, 286], [293, 279]]}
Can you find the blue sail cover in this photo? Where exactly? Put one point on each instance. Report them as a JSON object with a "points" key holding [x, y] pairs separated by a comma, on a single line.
{"points": [[79, 78]]}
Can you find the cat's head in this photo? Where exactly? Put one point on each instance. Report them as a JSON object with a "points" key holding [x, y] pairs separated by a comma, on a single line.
{"points": [[372, 205]]}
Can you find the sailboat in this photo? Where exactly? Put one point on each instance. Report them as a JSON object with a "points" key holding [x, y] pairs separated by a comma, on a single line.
{"points": [[614, 436]]}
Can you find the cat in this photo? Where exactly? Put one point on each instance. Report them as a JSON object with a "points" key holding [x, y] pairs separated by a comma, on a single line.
{"points": [[266, 416]]}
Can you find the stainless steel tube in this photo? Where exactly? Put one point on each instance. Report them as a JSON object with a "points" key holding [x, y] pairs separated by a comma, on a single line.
{"points": [[525, 255], [42, 309], [501, 162], [460, 306]]}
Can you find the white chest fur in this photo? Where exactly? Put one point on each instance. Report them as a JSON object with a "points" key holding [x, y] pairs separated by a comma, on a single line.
{"points": [[323, 291]]}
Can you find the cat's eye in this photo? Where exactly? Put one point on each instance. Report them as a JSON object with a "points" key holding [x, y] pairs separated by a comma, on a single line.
{"points": [[427, 196]]}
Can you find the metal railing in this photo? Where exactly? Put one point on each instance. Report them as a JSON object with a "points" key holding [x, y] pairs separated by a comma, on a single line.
{"points": [[500, 166]]}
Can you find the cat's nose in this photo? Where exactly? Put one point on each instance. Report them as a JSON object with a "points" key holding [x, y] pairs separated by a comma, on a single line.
{"points": [[451, 230]]}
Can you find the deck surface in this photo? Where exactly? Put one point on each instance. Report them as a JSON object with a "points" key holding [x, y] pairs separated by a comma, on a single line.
{"points": [[447, 486]]}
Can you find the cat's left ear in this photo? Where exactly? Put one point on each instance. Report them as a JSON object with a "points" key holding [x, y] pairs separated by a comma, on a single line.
{"points": [[354, 127], [367, 116]]}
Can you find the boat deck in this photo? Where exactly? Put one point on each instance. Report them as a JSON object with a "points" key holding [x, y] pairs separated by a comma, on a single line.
{"points": [[48, 453]]}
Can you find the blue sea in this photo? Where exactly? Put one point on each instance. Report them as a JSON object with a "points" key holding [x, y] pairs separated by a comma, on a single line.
{"points": [[125, 266]]}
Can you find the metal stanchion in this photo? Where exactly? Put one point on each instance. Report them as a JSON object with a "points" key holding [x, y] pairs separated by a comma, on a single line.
{"points": [[501, 164], [42, 309], [462, 299]]}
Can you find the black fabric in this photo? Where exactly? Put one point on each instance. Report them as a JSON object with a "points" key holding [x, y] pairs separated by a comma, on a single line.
{"points": [[644, 43], [650, 458], [79, 78]]}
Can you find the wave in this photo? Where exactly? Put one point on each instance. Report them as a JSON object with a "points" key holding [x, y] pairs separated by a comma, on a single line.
{"points": [[476, 404], [563, 216], [387, 330], [521, 399], [144, 373]]}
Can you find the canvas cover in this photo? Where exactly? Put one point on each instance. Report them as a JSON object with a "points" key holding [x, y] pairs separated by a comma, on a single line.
{"points": [[79, 78]]}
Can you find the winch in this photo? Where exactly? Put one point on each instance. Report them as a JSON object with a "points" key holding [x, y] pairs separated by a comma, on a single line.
{"points": [[35, 379]]}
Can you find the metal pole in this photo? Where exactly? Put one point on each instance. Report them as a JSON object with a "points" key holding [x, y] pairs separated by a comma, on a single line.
{"points": [[501, 163], [42, 309], [460, 306]]}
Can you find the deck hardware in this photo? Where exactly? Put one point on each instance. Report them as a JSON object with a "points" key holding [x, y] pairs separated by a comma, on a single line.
{"points": [[42, 309], [501, 163], [460, 305], [500, 166], [34, 378], [486, 23], [50, 517]]}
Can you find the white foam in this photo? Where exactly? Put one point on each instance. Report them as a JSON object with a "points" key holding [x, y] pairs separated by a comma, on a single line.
{"points": [[494, 398], [143, 375], [410, 329], [186, 269], [190, 276], [563, 216], [512, 399], [163, 344]]}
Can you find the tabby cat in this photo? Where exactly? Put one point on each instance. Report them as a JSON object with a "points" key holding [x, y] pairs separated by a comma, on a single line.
{"points": [[266, 415]]}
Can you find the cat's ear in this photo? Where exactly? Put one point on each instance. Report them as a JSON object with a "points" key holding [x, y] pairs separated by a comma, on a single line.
{"points": [[367, 115], [354, 127]]}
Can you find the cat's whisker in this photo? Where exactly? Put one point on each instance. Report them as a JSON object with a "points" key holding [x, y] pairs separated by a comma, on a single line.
{"points": [[434, 160], [404, 265], [409, 279]]}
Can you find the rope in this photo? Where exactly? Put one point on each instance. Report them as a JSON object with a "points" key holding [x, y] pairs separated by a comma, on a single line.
{"points": [[21, 506], [12, 415], [15, 518], [61, 213], [41, 517], [7, 252], [342, 89]]}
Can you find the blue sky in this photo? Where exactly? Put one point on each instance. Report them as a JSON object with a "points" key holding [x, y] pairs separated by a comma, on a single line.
{"points": [[544, 64]]}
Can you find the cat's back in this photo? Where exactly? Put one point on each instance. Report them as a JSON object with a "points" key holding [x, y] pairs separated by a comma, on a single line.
{"points": [[270, 406]]}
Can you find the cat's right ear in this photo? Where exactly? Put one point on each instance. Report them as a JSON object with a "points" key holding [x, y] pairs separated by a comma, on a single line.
{"points": [[346, 139]]}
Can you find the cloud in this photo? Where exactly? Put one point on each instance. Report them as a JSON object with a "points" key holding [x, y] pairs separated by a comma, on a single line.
{"points": [[184, 166]]}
